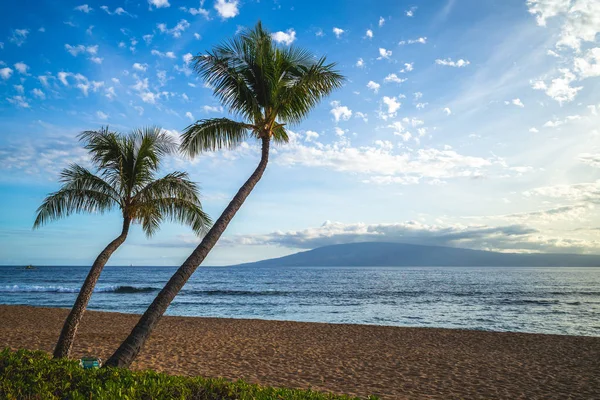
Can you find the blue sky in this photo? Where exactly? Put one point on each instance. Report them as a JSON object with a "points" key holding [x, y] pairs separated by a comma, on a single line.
{"points": [[463, 123]]}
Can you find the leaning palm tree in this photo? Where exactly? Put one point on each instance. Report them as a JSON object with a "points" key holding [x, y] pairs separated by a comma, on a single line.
{"points": [[125, 179], [267, 86]]}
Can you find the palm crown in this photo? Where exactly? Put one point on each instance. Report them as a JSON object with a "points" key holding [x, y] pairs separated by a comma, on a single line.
{"points": [[267, 85], [125, 179]]}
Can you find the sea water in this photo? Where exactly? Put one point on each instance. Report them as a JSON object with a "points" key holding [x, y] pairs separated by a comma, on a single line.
{"points": [[540, 300]]}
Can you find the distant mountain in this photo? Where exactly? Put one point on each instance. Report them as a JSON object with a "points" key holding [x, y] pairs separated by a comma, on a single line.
{"points": [[410, 255]]}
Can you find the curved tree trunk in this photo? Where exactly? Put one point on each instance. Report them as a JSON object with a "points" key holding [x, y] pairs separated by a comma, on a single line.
{"points": [[67, 335], [130, 348]]}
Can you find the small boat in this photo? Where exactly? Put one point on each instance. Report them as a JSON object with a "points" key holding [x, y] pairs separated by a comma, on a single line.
{"points": [[30, 267]]}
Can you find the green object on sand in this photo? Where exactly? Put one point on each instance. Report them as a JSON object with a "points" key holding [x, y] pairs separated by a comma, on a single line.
{"points": [[90, 362]]}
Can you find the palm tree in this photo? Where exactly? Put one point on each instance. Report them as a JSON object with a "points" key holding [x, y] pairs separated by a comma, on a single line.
{"points": [[268, 87], [125, 179]]}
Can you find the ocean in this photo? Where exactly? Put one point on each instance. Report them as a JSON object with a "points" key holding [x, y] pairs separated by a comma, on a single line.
{"points": [[538, 300]]}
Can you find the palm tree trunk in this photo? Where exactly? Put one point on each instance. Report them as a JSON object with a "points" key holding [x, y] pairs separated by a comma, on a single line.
{"points": [[130, 348], [67, 335]]}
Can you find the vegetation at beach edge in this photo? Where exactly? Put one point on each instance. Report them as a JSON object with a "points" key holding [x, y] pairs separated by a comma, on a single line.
{"points": [[28, 374]]}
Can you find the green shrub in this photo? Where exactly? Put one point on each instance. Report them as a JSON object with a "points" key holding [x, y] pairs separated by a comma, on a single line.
{"points": [[34, 375]]}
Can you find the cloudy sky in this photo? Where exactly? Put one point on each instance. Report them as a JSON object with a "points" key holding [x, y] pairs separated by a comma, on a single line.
{"points": [[463, 123]]}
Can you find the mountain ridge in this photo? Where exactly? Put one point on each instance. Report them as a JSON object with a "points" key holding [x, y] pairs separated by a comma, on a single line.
{"points": [[381, 254]]}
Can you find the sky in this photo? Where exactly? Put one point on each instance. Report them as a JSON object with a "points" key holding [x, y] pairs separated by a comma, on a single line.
{"points": [[462, 123]]}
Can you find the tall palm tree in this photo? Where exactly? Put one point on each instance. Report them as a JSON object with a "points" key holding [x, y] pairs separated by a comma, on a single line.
{"points": [[268, 87], [125, 179]]}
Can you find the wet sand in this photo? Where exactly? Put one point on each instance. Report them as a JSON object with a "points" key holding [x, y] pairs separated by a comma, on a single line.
{"points": [[391, 362]]}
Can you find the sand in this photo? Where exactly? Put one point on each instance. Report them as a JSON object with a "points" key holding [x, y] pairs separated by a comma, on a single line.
{"points": [[391, 362]]}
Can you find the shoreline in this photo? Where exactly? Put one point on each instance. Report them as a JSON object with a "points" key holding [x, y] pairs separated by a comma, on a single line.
{"points": [[201, 317], [391, 362]]}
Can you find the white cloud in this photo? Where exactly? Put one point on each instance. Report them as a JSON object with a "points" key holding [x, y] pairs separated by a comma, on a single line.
{"points": [[197, 36], [140, 67], [517, 102], [227, 8], [149, 97], [592, 160], [79, 49], [197, 11], [447, 111], [394, 78], [168, 54], [187, 58], [411, 12], [533, 130], [381, 21], [374, 86], [408, 67], [369, 34], [544, 9], [559, 88], [581, 21], [84, 8], [589, 65], [580, 192], [96, 60], [288, 37], [383, 53], [62, 76], [110, 93], [392, 105], [38, 93], [400, 130], [159, 3], [360, 63], [19, 88], [139, 109], [212, 109], [189, 116], [101, 115], [21, 67], [421, 40], [18, 101], [19, 36], [310, 136], [162, 77], [338, 32], [176, 31], [340, 113], [339, 131], [382, 165], [449, 63], [362, 116]]}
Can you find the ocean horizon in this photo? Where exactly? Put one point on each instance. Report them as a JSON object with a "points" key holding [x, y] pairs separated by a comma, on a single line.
{"points": [[549, 300]]}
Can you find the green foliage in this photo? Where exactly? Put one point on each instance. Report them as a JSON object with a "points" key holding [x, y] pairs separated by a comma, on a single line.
{"points": [[269, 86], [125, 178], [34, 375]]}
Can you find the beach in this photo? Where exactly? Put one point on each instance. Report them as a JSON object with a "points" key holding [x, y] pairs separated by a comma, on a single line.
{"points": [[391, 362]]}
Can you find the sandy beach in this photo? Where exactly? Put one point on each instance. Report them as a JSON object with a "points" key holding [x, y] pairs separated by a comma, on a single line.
{"points": [[391, 362]]}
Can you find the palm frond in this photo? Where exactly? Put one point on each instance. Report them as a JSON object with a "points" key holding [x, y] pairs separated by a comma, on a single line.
{"points": [[266, 84], [82, 192], [280, 135], [305, 87], [173, 197], [148, 147], [213, 134], [175, 210]]}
